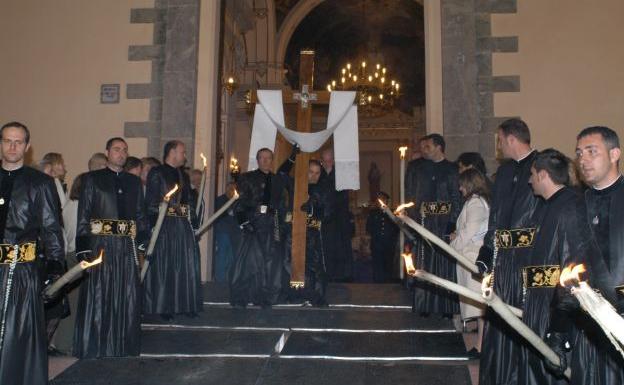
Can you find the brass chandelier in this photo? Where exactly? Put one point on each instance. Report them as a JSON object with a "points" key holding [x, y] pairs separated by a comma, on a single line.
{"points": [[375, 92]]}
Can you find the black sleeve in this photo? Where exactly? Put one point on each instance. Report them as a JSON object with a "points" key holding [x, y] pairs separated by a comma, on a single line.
{"points": [[142, 222], [154, 193], [85, 207], [51, 230]]}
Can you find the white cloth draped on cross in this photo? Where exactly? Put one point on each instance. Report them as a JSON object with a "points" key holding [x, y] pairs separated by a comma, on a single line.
{"points": [[342, 123]]}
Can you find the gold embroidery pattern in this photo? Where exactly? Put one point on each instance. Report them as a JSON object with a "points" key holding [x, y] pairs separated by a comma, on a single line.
{"points": [[27, 253], [114, 227], [619, 290], [546, 276], [514, 238], [313, 223], [178, 211], [435, 208]]}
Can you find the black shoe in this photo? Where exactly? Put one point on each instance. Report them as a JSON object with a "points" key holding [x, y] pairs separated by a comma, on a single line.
{"points": [[474, 354], [320, 303], [167, 317], [447, 315], [54, 352], [191, 314], [424, 314]]}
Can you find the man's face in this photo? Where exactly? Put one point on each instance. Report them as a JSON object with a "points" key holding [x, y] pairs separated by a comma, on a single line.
{"points": [[265, 161], [536, 180], [14, 145], [136, 171], [328, 159], [196, 179], [430, 150], [117, 153], [595, 160], [314, 173], [178, 155], [504, 144]]}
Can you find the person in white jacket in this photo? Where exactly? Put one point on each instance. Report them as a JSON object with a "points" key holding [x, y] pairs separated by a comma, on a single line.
{"points": [[472, 225]]}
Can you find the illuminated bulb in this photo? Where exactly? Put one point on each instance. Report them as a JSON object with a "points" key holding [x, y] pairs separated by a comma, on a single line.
{"points": [[349, 66], [383, 71], [378, 66], [376, 75], [363, 64], [342, 80], [393, 83], [344, 71], [370, 78], [334, 83], [329, 87], [381, 96], [370, 98], [355, 78], [231, 80], [383, 80], [397, 86]]}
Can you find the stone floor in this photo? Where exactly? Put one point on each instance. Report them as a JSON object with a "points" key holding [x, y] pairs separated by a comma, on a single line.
{"points": [[367, 335]]}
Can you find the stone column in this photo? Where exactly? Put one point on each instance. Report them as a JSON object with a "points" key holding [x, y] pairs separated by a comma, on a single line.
{"points": [[433, 66]]}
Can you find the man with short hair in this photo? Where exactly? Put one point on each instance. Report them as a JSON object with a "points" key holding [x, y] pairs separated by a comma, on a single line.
{"points": [[148, 163], [111, 218], [97, 161], [438, 205], [172, 282], [506, 246], [133, 166], [594, 360], [564, 236], [257, 273], [29, 214]]}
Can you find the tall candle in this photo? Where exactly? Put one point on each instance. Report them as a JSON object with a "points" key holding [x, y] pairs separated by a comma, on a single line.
{"points": [[202, 186], [402, 196], [216, 215]]}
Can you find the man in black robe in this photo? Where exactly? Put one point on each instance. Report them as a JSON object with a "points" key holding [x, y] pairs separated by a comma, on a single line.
{"points": [[29, 216], [257, 273], [111, 218], [439, 203], [339, 228], [172, 282], [594, 360], [506, 246], [384, 235], [562, 235]]}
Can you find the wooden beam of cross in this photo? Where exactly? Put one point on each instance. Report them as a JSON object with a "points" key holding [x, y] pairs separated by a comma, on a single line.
{"points": [[305, 98]]}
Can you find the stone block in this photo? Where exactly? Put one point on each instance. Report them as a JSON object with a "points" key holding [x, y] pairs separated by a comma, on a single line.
{"points": [[456, 144], [178, 108], [506, 83], [483, 24], [145, 15], [182, 3], [145, 52], [160, 32], [484, 63], [496, 6], [498, 44], [155, 113], [141, 129], [182, 39], [142, 90], [489, 124], [485, 103]]}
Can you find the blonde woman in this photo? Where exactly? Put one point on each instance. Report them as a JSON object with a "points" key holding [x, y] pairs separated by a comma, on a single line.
{"points": [[472, 224]]}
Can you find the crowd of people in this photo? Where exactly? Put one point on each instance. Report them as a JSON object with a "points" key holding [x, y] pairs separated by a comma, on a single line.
{"points": [[539, 213]]}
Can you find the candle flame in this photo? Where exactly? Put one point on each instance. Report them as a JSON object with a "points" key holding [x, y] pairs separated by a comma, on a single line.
{"points": [[409, 263], [402, 207], [381, 203], [236, 196], [204, 160], [234, 164], [571, 275], [97, 261], [170, 193], [486, 282], [402, 151]]}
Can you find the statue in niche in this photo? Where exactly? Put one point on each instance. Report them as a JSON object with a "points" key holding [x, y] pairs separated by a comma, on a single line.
{"points": [[374, 181]]}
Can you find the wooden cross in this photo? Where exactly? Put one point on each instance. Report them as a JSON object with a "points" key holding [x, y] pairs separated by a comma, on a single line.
{"points": [[304, 99]]}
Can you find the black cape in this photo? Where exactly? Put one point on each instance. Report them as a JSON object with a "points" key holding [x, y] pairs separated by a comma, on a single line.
{"points": [[29, 214], [562, 236], [436, 182], [513, 206], [338, 229], [384, 234], [172, 282], [257, 273], [109, 305], [594, 359]]}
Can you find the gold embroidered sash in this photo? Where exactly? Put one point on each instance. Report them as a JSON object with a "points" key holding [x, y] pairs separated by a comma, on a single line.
{"points": [[313, 223], [113, 227], [26, 252], [538, 277], [178, 211], [435, 208], [514, 238]]}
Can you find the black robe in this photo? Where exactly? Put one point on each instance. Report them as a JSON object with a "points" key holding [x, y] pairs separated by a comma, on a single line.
{"points": [[29, 213], [437, 192], [384, 235], [227, 236], [562, 236], [337, 231], [109, 305], [513, 206], [594, 360], [172, 282], [257, 273]]}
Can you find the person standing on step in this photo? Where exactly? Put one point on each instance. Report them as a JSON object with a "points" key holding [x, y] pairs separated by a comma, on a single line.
{"points": [[506, 246], [29, 215], [111, 217], [384, 236], [257, 273], [172, 283], [438, 203]]}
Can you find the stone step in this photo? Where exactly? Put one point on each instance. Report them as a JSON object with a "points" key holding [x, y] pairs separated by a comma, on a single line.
{"points": [[251, 371], [306, 317]]}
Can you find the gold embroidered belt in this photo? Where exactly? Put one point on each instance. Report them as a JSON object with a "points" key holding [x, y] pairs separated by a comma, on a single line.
{"points": [[514, 238], [435, 208], [26, 252], [178, 211], [313, 223], [114, 227], [538, 277]]}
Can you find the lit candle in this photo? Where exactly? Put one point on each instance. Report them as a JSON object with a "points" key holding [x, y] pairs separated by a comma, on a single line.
{"points": [[402, 198], [162, 211], [216, 215], [71, 275], [202, 186]]}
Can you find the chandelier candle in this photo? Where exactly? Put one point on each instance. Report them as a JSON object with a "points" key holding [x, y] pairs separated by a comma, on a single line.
{"points": [[202, 186], [216, 215], [71, 275], [162, 211], [598, 308]]}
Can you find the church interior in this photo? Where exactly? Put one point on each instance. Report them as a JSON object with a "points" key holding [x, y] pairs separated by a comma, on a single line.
{"points": [[80, 72]]}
